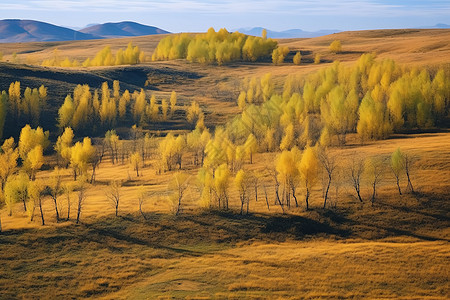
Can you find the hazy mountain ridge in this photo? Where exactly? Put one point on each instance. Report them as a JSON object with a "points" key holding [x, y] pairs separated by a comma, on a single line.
{"points": [[20, 31], [291, 33], [122, 29]]}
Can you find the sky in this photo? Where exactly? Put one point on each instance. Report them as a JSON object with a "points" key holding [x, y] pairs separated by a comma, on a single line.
{"points": [[199, 15]]}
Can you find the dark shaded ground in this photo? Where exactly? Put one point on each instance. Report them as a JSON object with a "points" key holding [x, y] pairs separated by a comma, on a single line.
{"points": [[100, 256]]}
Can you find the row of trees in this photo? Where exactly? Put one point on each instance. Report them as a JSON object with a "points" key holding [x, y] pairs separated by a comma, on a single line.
{"points": [[214, 47], [129, 56], [85, 110], [293, 171]]}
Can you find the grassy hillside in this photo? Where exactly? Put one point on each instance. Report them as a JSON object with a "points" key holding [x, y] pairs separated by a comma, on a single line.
{"points": [[397, 247]]}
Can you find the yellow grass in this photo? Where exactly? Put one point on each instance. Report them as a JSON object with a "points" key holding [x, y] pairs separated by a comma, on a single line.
{"points": [[396, 249]]}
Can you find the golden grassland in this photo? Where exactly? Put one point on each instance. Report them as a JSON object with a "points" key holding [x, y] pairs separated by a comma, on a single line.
{"points": [[398, 248]]}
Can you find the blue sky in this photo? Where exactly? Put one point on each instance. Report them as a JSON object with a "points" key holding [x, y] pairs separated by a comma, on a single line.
{"points": [[199, 15]]}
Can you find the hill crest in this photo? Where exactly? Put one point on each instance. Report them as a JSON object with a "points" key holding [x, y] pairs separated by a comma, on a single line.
{"points": [[122, 29]]}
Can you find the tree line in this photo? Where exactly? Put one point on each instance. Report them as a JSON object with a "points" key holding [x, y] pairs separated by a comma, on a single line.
{"points": [[214, 47], [129, 56]]}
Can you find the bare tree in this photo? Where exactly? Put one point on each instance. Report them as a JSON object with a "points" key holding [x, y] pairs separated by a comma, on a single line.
{"points": [[54, 189], [356, 171], [81, 198], [36, 194], [141, 198], [113, 194], [273, 173], [178, 185], [95, 162], [329, 164], [374, 168], [397, 166], [68, 188], [267, 199], [408, 161]]}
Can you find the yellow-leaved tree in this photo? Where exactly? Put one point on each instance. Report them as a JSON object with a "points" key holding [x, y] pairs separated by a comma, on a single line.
{"points": [[34, 161], [336, 46], [178, 186], [30, 138], [63, 145], [243, 183], [8, 160], [297, 58], [308, 168]]}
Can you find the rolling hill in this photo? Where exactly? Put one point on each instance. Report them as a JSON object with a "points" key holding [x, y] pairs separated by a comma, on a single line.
{"points": [[122, 29], [19, 31]]}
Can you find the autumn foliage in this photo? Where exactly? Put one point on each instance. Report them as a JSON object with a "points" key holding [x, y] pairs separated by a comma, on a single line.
{"points": [[214, 47]]}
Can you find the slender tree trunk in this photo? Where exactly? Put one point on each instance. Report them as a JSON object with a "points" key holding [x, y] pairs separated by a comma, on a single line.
{"points": [[278, 199], [79, 210], [117, 208], [68, 207], [242, 204], [256, 192], [137, 170], [142, 213], [24, 204], [248, 204], [94, 167], [267, 199], [307, 198], [56, 208], [373, 192], [226, 202], [357, 189], [398, 185], [326, 193], [295, 197], [42, 212], [409, 186], [179, 206]]}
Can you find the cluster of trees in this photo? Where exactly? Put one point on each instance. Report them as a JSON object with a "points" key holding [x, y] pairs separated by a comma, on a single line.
{"points": [[279, 54], [373, 98], [85, 111], [19, 165], [214, 47], [314, 113], [16, 109], [129, 56]]}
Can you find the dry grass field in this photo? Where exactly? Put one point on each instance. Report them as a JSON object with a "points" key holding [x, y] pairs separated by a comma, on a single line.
{"points": [[397, 248]]}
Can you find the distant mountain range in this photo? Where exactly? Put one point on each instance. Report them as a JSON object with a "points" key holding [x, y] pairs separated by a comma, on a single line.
{"points": [[292, 33], [440, 26], [20, 31], [122, 29]]}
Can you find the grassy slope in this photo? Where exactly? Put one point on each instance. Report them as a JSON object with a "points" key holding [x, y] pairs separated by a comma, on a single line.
{"points": [[398, 248], [353, 250]]}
